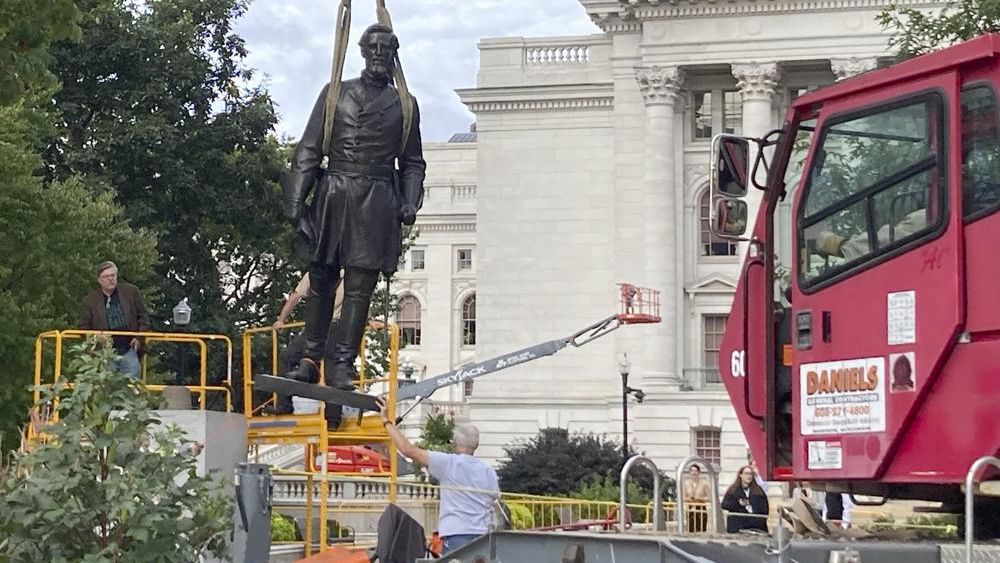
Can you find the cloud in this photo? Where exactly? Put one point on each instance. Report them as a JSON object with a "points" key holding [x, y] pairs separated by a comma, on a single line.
{"points": [[292, 45]]}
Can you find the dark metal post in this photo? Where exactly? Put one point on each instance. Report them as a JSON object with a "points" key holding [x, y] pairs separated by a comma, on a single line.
{"points": [[624, 367], [182, 317], [252, 534], [178, 364], [624, 418]]}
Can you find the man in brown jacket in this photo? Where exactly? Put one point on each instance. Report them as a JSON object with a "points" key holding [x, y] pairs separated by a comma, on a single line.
{"points": [[119, 307]]}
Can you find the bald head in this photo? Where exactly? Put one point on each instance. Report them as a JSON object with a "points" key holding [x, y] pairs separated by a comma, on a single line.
{"points": [[466, 437]]}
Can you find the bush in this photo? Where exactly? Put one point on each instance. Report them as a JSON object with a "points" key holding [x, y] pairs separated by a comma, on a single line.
{"points": [[606, 489], [881, 523], [945, 525], [437, 436], [521, 517], [556, 462], [282, 528], [335, 531], [110, 484]]}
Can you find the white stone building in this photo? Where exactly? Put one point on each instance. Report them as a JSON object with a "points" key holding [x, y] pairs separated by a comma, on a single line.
{"points": [[590, 169], [436, 284]]}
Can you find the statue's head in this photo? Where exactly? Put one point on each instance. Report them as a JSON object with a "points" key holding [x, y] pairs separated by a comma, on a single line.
{"points": [[378, 47]]}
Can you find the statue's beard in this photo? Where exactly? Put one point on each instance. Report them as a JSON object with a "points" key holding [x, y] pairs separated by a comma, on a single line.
{"points": [[379, 69]]}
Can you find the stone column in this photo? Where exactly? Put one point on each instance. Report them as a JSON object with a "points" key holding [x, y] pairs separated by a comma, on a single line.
{"points": [[757, 83], [659, 86], [852, 66]]}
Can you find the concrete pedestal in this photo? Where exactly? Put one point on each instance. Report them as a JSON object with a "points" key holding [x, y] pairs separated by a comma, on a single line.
{"points": [[224, 436]]}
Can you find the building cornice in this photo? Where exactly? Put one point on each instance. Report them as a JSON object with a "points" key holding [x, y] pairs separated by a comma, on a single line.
{"points": [[536, 98], [446, 227], [660, 9], [612, 16], [626, 16], [534, 105]]}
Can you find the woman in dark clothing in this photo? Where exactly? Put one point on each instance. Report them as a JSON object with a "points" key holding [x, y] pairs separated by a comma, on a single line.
{"points": [[746, 503]]}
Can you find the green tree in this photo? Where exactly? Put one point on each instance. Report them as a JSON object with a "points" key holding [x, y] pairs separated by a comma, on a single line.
{"points": [[158, 108], [282, 528], [53, 237], [555, 462], [437, 435], [26, 31], [915, 32], [111, 483], [607, 489]]}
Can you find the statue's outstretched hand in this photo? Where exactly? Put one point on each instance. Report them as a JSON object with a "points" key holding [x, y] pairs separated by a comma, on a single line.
{"points": [[409, 214]]}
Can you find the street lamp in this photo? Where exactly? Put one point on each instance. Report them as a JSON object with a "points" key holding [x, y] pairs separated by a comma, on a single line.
{"points": [[182, 313], [182, 317], [407, 366], [624, 367]]}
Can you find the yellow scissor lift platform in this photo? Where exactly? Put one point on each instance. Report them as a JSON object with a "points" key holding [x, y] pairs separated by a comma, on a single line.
{"points": [[310, 430], [50, 354]]}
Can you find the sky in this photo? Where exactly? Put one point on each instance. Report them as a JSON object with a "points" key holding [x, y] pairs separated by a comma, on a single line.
{"points": [[290, 44]]}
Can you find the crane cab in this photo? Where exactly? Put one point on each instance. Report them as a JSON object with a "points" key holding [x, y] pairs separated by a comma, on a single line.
{"points": [[863, 348]]}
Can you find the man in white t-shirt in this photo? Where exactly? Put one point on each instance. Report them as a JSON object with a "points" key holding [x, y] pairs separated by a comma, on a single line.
{"points": [[469, 487], [299, 293]]}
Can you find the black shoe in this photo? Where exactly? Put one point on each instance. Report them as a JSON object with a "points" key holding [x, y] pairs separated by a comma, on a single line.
{"points": [[334, 415], [341, 376], [306, 372]]}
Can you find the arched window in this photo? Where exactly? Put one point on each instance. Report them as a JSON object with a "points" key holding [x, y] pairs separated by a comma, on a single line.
{"points": [[711, 245], [469, 321], [408, 319]]}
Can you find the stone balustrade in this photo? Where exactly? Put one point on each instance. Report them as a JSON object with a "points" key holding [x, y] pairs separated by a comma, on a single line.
{"points": [[449, 408], [291, 490], [463, 192], [510, 61], [556, 54]]}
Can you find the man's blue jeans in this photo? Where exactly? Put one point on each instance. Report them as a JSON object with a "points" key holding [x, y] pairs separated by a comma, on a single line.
{"points": [[451, 543], [128, 364]]}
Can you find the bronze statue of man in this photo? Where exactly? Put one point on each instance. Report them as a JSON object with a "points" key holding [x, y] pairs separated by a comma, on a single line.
{"points": [[372, 183]]}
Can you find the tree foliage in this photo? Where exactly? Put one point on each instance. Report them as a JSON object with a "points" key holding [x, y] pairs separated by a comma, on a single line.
{"points": [[555, 462], [282, 528], [608, 489], [436, 435], [915, 32], [110, 484], [158, 108], [53, 236], [26, 31]]}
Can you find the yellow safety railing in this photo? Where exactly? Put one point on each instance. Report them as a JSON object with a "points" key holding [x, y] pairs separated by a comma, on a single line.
{"points": [[363, 381], [60, 337], [311, 430]]}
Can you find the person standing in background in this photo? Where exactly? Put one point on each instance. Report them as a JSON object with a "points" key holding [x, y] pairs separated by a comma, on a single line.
{"points": [[116, 306]]}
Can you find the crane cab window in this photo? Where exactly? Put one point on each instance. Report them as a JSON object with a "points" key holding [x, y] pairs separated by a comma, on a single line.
{"points": [[874, 185], [980, 152]]}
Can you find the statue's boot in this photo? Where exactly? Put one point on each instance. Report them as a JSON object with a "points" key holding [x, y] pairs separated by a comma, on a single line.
{"points": [[307, 371], [350, 328], [333, 414], [341, 373], [338, 375]]}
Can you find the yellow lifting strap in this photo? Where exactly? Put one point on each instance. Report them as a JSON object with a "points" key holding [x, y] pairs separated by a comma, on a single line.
{"points": [[341, 36]]}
